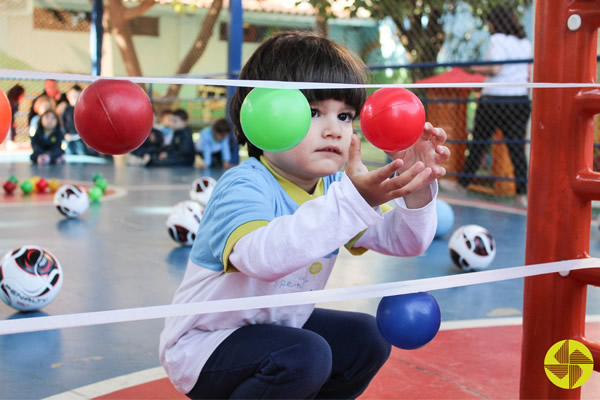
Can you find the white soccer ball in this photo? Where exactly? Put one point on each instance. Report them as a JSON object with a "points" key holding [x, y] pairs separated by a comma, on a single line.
{"points": [[472, 247], [72, 201], [184, 221], [30, 278], [202, 189]]}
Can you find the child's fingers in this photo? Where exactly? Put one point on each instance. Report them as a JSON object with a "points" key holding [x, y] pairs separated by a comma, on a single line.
{"points": [[423, 178], [404, 178], [383, 173], [354, 155]]}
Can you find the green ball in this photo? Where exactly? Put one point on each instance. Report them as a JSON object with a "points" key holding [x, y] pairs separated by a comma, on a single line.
{"points": [[102, 184], [27, 186], [13, 179], [275, 120], [97, 176], [95, 193]]}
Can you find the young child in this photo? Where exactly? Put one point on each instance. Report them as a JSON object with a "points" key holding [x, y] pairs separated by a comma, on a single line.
{"points": [[274, 224], [74, 143], [213, 145], [180, 151], [47, 141]]}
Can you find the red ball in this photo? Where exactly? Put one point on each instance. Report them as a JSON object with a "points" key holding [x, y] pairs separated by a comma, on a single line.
{"points": [[41, 185], [5, 116], [392, 119], [113, 116], [9, 187]]}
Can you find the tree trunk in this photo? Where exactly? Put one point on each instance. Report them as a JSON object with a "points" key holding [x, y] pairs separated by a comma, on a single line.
{"points": [[199, 45], [119, 17], [321, 26]]}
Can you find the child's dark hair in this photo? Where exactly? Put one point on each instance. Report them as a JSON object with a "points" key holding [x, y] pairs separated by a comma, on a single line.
{"points": [[222, 126], [505, 21], [300, 57], [39, 123], [181, 113]]}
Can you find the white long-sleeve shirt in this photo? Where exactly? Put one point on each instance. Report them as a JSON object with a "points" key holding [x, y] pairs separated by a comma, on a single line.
{"points": [[278, 239]]}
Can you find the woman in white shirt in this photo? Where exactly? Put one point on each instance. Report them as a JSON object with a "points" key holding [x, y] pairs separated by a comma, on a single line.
{"points": [[506, 108]]}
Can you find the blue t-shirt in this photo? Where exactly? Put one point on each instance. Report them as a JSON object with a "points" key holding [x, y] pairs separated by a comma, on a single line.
{"points": [[245, 198], [208, 146]]}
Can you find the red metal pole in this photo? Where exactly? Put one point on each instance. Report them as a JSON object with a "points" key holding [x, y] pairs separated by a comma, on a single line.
{"points": [[561, 184]]}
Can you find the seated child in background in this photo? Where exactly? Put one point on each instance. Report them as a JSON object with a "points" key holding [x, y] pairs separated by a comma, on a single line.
{"points": [[74, 143], [274, 224], [40, 105], [180, 152], [165, 125], [151, 147], [47, 140], [213, 145]]}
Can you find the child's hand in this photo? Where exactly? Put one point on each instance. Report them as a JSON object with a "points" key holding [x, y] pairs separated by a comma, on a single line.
{"points": [[429, 149], [431, 152], [376, 187]]}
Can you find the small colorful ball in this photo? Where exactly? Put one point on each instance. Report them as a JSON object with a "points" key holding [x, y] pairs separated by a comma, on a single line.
{"points": [[9, 187], [41, 185], [102, 184], [275, 120], [95, 193], [392, 119], [409, 321], [26, 187], [97, 175], [13, 179], [72, 201], [53, 185], [113, 116], [34, 182], [445, 218]]}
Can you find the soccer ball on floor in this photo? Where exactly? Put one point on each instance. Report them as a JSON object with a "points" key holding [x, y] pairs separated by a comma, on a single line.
{"points": [[184, 221], [202, 189], [30, 278], [71, 201], [472, 248]]}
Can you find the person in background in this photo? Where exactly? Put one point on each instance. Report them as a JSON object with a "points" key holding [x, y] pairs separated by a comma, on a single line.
{"points": [[213, 145], [40, 105], [47, 140], [504, 107], [180, 151], [74, 143], [15, 95]]}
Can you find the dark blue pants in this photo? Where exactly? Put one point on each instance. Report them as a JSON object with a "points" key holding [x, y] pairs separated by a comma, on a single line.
{"points": [[509, 114], [335, 356]]}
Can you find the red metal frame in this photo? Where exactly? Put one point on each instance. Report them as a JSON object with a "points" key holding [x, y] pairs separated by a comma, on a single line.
{"points": [[561, 187]]}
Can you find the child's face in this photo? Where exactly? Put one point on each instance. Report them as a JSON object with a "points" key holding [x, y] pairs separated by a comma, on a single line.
{"points": [[325, 148], [49, 121], [177, 123], [73, 96]]}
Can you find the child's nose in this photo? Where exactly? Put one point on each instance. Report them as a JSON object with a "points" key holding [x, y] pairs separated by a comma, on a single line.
{"points": [[332, 128]]}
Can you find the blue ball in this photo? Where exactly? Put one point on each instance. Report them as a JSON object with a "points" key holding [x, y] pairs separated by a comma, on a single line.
{"points": [[409, 321], [445, 218]]}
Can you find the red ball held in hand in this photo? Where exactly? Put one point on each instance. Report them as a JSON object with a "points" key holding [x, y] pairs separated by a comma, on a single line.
{"points": [[113, 116], [392, 119]]}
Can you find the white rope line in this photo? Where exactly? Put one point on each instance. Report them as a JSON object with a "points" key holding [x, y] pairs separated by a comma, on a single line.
{"points": [[288, 299], [30, 75]]}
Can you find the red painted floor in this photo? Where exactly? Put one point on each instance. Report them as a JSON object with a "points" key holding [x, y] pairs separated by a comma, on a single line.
{"points": [[475, 363]]}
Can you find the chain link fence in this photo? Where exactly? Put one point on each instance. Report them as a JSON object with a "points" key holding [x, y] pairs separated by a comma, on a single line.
{"points": [[401, 42]]}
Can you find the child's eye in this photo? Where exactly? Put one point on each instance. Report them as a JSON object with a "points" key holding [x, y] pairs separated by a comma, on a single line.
{"points": [[346, 117], [314, 113]]}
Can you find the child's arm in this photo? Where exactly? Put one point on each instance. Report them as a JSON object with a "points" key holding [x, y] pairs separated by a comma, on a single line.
{"points": [[290, 242]]}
